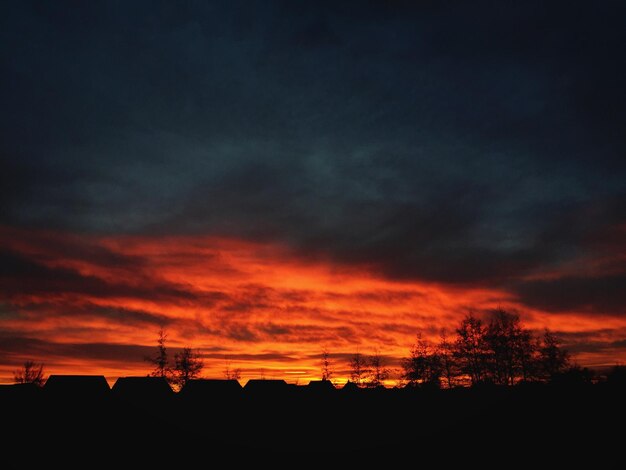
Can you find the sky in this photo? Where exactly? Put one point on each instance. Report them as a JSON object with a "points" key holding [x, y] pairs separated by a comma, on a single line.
{"points": [[267, 180]]}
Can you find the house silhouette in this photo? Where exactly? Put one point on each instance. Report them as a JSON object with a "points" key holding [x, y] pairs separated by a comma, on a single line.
{"points": [[142, 388], [266, 388], [320, 387], [350, 387], [83, 386], [19, 391], [201, 389]]}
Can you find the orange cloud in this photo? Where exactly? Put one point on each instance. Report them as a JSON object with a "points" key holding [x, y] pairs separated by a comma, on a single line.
{"points": [[87, 304]]}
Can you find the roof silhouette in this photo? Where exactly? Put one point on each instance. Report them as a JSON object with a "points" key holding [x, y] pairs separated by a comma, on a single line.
{"points": [[84, 385], [207, 388], [142, 388], [263, 386], [321, 386], [19, 390], [350, 387]]}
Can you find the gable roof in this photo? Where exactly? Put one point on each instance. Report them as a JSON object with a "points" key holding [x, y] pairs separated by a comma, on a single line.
{"points": [[199, 388], [350, 387], [142, 387], [263, 386], [77, 385], [19, 390], [321, 386]]}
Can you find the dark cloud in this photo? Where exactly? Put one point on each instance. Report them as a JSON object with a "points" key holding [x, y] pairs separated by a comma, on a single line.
{"points": [[240, 332], [18, 346], [23, 277], [254, 358], [46, 311], [48, 246], [263, 332], [15, 348], [593, 342], [601, 294], [341, 360], [305, 333], [452, 141], [382, 296]]}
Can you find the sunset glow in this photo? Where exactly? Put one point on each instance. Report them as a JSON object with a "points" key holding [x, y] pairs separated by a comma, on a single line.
{"points": [[94, 305], [269, 180]]}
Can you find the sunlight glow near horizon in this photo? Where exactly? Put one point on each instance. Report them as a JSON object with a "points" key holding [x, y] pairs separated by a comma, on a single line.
{"points": [[254, 306]]}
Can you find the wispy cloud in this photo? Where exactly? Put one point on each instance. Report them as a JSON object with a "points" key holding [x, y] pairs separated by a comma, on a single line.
{"points": [[241, 300]]}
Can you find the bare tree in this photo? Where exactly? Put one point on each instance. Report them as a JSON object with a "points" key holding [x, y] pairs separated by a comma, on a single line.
{"points": [[509, 344], [188, 365], [471, 349], [553, 359], [526, 349], [378, 372], [327, 372], [358, 369], [503, 352], [232, 374], [449, 367], [423, 366], [160, 359], [30, 373]]}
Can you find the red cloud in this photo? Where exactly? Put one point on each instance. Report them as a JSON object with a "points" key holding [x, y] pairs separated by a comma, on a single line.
{"points": [[94, 304]]}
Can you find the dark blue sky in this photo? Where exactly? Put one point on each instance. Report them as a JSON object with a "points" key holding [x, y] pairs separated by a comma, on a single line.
{"points": [[460, 142]]}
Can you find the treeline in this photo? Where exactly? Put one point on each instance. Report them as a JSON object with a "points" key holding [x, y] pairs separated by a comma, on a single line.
{"points": [[187, 364], [500, 351]]}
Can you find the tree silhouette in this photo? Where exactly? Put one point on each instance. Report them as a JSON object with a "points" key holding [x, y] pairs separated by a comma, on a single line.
{"points": [[358, 369], [30, 373], [526, 350], [187, 366], [378, 373], [503, 352], [553, 359], [232, 374], [423, 366], [500, 340], [511, 350], [327, 372], [449, 367], [471, 349], [160, 359]]}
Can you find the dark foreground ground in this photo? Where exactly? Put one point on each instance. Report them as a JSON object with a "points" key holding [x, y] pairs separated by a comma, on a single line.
{"points": [[521, 427]]}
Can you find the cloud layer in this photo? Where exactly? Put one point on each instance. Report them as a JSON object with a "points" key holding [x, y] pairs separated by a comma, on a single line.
{"points": [[96, 302], [462, 147]]}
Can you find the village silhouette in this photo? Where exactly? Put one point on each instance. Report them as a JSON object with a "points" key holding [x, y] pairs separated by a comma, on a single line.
{"points": [[569, 416]]}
